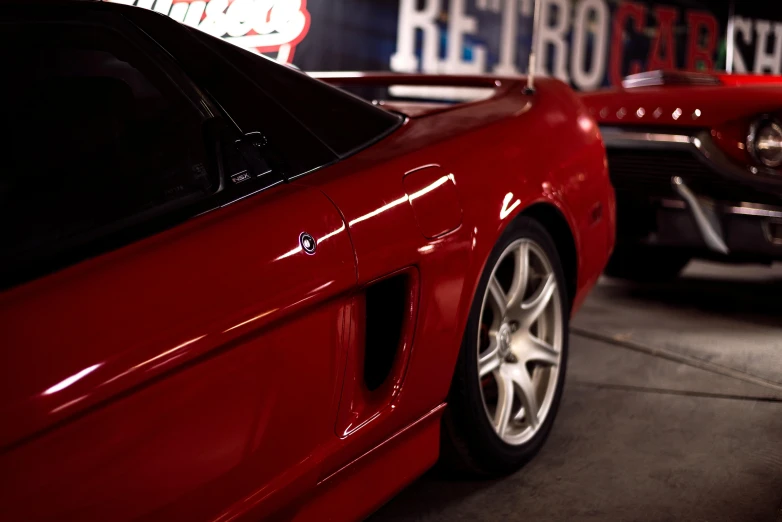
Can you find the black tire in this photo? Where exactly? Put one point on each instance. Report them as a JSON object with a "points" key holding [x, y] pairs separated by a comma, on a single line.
{"points": [[469, 443], [646, 264]]}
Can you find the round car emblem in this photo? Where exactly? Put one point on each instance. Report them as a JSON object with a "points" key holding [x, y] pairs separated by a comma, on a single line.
{"points": [[504, 338], [308, 243]]}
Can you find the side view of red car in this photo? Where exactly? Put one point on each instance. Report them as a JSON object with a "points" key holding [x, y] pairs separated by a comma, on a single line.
{"points": [[232, 291], [696, 161]]}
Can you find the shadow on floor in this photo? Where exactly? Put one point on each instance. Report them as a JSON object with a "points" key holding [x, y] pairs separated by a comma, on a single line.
{"points": [[434, 493], [755, 301]]}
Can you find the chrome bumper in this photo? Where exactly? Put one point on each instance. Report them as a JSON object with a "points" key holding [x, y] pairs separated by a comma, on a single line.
{"points": [[700, 215]]}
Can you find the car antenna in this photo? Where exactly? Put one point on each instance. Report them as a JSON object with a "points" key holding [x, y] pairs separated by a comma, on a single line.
{"points": [[533, 48]]}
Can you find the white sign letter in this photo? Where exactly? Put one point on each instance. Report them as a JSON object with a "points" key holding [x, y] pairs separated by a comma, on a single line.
{"points": [[763, 60], [592, 79], [551, 34], [742, 26], [410, 21], [460, 24], [510, 24]]}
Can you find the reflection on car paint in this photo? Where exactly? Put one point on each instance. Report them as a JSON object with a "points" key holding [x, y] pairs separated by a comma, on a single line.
{"points": [[508, 210], [72, 379], [252, 319]]}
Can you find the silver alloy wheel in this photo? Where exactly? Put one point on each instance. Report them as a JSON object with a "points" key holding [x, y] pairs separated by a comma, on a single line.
{"points": [[520, 341]]}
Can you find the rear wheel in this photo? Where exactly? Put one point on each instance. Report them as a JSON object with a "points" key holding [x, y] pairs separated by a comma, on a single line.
{"points": [[646, 264], [511, 367]]}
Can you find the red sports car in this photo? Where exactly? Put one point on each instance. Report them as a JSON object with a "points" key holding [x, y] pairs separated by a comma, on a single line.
{"points": [[232, 291], [696, 161]]}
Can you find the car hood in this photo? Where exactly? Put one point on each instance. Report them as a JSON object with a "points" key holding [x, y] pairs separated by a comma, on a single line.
{"points": [[681, 106]]}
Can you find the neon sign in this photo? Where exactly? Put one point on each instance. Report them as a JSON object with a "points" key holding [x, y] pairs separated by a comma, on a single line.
{"points": [[260, 26]]}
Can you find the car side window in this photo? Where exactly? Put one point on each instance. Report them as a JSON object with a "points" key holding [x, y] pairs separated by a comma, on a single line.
{"points": [[93, 138], [309, 123]]}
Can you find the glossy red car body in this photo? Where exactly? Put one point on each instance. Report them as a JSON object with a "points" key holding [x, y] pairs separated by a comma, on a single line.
{"points": [[135, 385]]}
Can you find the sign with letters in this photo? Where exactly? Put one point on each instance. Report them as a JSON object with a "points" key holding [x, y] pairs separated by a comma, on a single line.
{"points": [[587, 43], [263, 26]]}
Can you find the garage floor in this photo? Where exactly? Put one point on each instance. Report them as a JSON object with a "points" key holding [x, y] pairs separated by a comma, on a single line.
{"points": [[672, 411]]}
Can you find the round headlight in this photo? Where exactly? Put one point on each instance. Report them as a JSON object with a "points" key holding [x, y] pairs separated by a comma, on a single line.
{"points": [[765, 142]]}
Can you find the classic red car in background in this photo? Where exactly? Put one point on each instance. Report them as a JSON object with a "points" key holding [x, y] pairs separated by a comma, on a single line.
{"points": [[230, 290], [696, 161]]}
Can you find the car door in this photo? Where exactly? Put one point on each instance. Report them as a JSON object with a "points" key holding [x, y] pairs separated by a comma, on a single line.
{"points": [[171, 316]]}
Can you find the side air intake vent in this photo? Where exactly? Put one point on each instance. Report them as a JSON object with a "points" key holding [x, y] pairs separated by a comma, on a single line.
{"points": [[381, 326], [386, 303]]}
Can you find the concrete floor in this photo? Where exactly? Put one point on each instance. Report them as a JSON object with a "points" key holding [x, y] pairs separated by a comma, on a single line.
{"points": [[672, 411]]}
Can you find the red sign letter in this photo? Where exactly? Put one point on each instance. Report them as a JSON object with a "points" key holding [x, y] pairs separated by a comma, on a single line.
{"points": [[666, 19], [625, 11], [695, 52]]}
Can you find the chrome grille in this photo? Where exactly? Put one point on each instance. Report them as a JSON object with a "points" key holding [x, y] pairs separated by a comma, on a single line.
{"points": [[649, 173]]}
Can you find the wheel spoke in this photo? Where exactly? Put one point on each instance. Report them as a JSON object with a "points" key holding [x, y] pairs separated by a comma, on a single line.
{"points": [[542, 352], [497, 295], [520, 275], [523, 381], [502, 414], [535, 306], [520, 341], [490, 360]]}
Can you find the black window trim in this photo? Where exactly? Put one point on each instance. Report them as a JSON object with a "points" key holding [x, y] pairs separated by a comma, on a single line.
{"points": [[136, 15], [400, 120]]}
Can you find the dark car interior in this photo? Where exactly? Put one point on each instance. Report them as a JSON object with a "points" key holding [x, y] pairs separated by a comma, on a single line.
{"points": [[88, 139]]}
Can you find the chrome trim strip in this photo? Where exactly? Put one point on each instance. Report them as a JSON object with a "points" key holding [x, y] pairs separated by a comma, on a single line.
{"points": [[705, 219], [755, 210], [621, 139], [742, 209]]}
